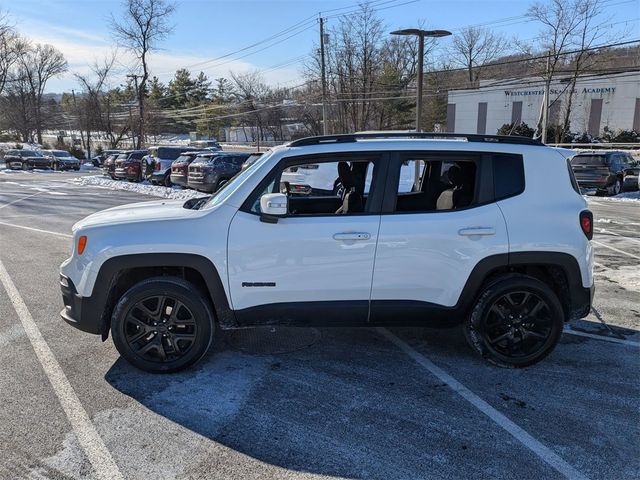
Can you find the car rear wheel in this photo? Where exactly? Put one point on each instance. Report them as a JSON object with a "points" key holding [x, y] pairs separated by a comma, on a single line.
{"points": [[167, 180], [162, 325], [516, 322]]}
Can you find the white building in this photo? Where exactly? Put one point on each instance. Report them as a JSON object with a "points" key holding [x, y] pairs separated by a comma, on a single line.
{"points": [[611, 100]]}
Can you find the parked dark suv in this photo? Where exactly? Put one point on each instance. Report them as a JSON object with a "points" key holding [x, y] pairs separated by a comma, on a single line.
{"points": [[180, 167], [157, 165], [128, 165], [109, 165], [210, 171], [602, 171], [26, 159]]}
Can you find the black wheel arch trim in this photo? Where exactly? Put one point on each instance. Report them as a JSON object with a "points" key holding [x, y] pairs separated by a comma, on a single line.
{"points": [[111, 270]]}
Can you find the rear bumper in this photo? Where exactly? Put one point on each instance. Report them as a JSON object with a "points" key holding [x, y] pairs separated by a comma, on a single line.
{"points": [[82, 313]]}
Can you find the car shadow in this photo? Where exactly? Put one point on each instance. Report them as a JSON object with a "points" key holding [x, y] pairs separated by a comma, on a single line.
{"points": [[340, 407], [350, 404]]}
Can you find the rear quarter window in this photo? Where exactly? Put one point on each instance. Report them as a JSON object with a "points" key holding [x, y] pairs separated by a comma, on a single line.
{"points": [[508, 175]]}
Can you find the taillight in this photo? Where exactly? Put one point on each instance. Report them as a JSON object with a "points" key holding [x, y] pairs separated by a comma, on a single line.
{"points": [[158, 166], [586, 223]]}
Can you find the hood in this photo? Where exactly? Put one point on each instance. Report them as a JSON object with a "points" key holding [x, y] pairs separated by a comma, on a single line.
{"points": [[159, 210]]}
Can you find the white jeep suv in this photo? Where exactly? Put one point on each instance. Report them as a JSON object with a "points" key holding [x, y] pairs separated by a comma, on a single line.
{"points": [[492, 233]]}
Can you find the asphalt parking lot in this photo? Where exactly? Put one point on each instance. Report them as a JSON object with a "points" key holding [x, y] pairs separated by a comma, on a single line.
{"points": [[306, 403]]}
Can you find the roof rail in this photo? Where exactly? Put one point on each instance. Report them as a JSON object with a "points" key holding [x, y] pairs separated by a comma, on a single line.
{"points": [[469, 137]]}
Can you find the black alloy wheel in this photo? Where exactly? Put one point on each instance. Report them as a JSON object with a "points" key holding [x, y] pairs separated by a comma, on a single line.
{"points": [[162, 324], [516, 322], [160, 328]]}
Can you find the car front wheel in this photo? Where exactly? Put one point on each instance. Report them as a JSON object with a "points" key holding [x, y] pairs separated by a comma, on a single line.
{"points": [[516, 322], [162, 325], [616, 188]]}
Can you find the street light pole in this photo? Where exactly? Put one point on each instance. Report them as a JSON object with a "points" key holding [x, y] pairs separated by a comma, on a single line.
{"points": [[421, 34]]}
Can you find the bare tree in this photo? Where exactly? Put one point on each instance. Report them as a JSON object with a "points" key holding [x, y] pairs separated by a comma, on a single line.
{"points": [[94, 94], [474, 47], [145, 23], [11, 47], [37, 66], [570, 29], [590, 31]]}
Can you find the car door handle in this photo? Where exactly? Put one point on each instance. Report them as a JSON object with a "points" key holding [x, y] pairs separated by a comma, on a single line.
{"points": [[352, 236], [477, 231]]}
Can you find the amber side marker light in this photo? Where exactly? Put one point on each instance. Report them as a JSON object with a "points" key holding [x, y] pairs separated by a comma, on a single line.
{"points": [[82, 243]]}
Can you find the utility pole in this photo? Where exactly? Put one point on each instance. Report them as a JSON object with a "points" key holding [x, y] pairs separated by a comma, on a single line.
{"points": [[75, 107], [324, 79], [545, 100], [420, 82], [138, 144]]}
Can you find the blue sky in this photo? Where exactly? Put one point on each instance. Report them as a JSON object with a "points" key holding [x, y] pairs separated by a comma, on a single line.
{"points": [[206, 30]]}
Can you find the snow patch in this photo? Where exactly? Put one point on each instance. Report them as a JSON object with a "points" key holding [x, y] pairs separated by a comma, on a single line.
{"points": [[621, 197], [627, 276], [145, 188]]}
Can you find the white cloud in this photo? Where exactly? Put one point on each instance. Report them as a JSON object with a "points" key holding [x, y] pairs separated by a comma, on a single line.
{"points": [[82, 49]]}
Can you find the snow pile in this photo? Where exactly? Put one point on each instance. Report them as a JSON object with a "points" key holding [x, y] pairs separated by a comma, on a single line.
{"points": [[145, 188], [621, 197]]}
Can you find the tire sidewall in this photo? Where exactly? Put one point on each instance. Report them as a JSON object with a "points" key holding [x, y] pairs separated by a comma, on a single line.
{"points": [[183, 291], [473, 326]]}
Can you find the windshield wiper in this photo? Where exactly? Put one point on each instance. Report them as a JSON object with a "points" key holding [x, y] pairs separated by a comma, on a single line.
{"points": [[196, 203]]}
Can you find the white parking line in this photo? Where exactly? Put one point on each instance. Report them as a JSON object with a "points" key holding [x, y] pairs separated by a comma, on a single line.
{"points": [[88, 438], [604, 231], [545, 454], [66, 235], [620, 341], [20, 199], [616, 249]]}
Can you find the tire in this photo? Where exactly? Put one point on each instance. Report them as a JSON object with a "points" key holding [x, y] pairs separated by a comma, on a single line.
{"points": [[502, 330], [167, 181], [141, 335], [616, 188]]}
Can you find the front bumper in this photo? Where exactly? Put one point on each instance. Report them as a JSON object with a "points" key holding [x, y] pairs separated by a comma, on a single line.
{"points": [[158, 177], [80, 312], [178, 179]]}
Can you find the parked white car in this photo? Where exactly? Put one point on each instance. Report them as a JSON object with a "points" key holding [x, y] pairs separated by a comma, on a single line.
{"points": [[493, 234]]}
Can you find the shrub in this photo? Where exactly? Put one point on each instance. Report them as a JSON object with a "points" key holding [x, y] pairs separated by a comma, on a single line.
{"points": [[521, 130]]}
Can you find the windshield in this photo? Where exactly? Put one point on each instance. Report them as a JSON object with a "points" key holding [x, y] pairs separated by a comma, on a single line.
{"points": [[60, 153], [221, 195], [591, 160], [31, 153]]}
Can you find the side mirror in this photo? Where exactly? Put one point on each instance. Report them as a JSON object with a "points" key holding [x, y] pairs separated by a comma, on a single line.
{"points": [[272, 206]]}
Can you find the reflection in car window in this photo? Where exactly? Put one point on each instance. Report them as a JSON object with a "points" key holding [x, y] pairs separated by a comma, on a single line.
{"points": [[225, 191]]}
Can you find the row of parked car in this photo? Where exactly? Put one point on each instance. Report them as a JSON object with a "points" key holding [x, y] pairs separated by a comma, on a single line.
{"points": [[20, 159], [193, 167], [607, 173]]}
